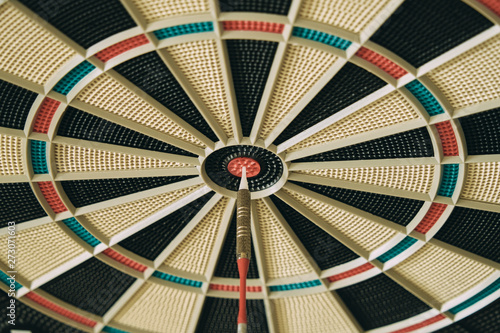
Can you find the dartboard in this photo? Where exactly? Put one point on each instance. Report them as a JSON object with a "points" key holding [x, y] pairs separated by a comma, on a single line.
{"points": [[370, 130]]}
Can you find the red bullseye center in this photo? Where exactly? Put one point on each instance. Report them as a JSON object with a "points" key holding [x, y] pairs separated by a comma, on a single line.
{"points": [[236, 165]]}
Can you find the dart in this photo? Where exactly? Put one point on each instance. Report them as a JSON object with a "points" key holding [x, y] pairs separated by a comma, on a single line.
{"points": [[243, 246]]}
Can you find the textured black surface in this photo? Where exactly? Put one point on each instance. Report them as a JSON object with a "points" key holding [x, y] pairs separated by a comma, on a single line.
{"points": [[421, 30], [280, 7], [226, 266], [92, 286], [473, 230], [271, 167], [84, 21], [482, 133], [151, 241], [395, 209], [15, 104], [349, 85], [411, 144], [30, 320], [18, 204], [323, 248], [150, 74], [81, 125], [87, 192], [220, 314], [380, 301], [251, 61], [486, 320], [454, 328]]}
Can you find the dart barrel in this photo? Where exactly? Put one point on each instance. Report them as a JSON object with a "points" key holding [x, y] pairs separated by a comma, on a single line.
{"points": [[243, 231]]}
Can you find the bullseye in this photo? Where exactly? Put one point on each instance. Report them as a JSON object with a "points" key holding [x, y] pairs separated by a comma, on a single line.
{"points": [[251, 165], [264, 169]]}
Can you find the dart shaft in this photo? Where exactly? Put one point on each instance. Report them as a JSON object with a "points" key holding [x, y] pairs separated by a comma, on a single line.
{"points": [[243, 264], [243, 246]]}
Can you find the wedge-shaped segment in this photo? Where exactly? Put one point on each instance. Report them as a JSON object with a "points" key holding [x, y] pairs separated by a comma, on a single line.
{"points": [[158, 308], [312, 313]]}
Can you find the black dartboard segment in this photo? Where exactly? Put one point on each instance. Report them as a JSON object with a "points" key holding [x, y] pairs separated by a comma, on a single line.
{"points": [[421, 30], [323, 248], [395, 209], [18, 204], [486, 320], [481, 131], [453, 328], [226, 266], [151, 241], [251, 61], [15, 104], [279, 7], [92, 286], [84, 21], [349, 85], [29, 319], [473, 230], [150, 74], [220, 315], [82, 125], [380, 301], [87, 192], [411, 144]]}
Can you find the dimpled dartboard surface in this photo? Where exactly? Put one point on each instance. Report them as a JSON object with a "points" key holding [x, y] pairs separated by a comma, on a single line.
{"points": [[368, 129]]}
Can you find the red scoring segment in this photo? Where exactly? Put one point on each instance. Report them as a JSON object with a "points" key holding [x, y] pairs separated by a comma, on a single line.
{"points": [[431, 217], [121, 47], [448, 139], [53, 199], [381, 62], [493, 5], [236, 165], [124, 260], [44, 115], [253, 26], [60, 310], [421, 324], [351, 272]]}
